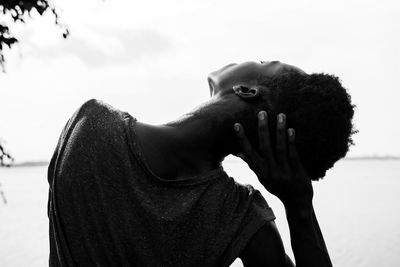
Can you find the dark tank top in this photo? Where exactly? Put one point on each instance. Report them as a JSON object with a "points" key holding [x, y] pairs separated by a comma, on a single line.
{"points": [[106, 207]]}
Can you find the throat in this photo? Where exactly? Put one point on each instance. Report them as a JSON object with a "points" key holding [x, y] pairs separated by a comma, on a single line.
{"points": [[172, 152]]}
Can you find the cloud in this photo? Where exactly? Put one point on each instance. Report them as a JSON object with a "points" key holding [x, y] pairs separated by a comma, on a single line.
{"points": [[98, 48]]}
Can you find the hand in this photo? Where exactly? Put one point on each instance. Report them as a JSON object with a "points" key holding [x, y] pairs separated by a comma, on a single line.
{"points": [[282, 175]]}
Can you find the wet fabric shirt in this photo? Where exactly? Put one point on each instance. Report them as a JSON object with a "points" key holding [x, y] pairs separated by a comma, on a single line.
{"points": [[106, 207]]}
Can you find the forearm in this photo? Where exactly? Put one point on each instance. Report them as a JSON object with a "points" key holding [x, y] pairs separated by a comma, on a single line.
{"points": [[284, 176], [307, 241]]}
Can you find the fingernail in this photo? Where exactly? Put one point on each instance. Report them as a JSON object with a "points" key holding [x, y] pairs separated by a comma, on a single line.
{"points": [[291, 132], [237, 127], [281, 117], [236, 87], [261, 115]]}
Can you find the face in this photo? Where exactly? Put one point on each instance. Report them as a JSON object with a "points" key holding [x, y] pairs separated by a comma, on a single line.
{"points": [[246, 74]]}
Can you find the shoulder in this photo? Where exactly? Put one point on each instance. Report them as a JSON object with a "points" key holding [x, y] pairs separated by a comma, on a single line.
{"points": [[246, 190], [98, 111], [255, 201], [97, 118], [92, 106], [265, 248]]}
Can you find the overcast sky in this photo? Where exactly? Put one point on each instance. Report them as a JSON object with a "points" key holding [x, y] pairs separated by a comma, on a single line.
{"points": [[152, 58]]}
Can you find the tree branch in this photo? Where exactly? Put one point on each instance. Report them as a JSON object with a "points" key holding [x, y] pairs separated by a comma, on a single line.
{"points": [[17, 10]]}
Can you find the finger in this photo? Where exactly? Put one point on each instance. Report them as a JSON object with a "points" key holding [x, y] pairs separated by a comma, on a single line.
{"points": [[244, 142], [264, 137], [281, 147], [293, 154]]}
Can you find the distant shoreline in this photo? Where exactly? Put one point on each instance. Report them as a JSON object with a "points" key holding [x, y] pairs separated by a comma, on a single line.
{"points": [[46, 163], [28, 164], [372, 158]]}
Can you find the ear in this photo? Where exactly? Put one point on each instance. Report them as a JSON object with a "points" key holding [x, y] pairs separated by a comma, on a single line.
{"points": [[246, 93]]}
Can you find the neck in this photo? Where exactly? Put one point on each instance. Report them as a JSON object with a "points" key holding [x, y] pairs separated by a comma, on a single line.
{"points": [[194, 144], [202, 140]]}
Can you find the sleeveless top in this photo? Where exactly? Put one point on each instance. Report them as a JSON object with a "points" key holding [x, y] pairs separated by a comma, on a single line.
{"points": [[107, 208]]}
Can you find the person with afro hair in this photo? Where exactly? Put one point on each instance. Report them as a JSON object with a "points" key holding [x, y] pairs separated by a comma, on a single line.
{"points": [[127, 193]]}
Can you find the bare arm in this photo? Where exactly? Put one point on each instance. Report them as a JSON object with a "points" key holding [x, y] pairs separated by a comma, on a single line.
{"points": [[307, 241], [265, 248], [284, 176]]}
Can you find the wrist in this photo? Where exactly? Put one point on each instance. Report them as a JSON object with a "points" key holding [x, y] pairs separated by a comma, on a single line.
{"points": [[302, 210]]}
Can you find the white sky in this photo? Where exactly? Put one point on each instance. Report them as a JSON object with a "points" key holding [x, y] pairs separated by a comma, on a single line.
{"points": [[151, 58]]}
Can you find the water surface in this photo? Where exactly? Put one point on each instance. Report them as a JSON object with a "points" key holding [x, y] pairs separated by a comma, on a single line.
{"points": [[356, 205]]}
